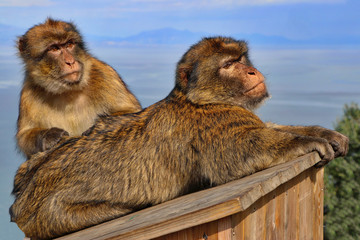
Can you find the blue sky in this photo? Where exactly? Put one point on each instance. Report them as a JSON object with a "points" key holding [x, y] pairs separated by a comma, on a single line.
{"points": [[294, 19]]}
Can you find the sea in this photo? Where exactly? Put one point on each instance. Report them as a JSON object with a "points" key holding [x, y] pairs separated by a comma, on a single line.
{"points": [[308, 86]]}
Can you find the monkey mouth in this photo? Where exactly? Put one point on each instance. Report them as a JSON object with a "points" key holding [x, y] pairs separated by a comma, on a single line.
{"points": [[72, 77], [255, 87]]}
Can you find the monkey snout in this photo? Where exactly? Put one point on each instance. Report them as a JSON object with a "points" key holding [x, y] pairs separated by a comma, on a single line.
{"points": [[255, 75]]}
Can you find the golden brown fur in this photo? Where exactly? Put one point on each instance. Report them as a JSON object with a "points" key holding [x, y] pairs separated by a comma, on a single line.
{"points": [[201, 135], [54, 103]]}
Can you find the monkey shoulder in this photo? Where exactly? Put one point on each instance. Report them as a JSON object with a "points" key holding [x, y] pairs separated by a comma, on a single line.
{"points": [[110, 89], [103, 70]]}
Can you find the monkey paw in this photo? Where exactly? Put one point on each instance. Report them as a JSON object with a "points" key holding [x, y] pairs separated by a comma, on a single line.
{"points": [[325, 151], [338, 141], [50, 138], [340, 145]]}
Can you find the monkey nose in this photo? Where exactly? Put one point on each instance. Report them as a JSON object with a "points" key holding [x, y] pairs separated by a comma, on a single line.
{"points": [[70, 62], [251, 73]]}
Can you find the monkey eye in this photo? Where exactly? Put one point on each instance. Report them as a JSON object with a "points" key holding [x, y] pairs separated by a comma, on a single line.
{"points": [[242, 59], [228, 64], [54, 48], [70, 44]]}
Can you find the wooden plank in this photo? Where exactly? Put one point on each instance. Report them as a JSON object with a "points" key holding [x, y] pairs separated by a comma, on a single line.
{"points": [[254, 222], [207, 231], [280, 212], [200, 233], [261, 217], [238, 225], [270, 216], [197, 208], [306, 208], [225, 228], [186, 234], [292, 209], [318, 203], [210, 231]]}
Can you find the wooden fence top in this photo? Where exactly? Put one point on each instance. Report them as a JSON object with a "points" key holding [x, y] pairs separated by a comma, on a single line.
{"points": [[199, 207]]}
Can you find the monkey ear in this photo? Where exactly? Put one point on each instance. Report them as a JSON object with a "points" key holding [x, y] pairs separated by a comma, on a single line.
{"points": [[183, 76], [21, 44]]}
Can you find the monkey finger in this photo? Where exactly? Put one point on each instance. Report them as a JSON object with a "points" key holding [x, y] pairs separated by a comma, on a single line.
{"points": [[51, 137], [65, 134], [321, 164], [328, 154], [340, 148], [336, 147]]}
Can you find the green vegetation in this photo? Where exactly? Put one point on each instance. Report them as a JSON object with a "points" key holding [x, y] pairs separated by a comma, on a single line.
{"points": [[342, 183]]}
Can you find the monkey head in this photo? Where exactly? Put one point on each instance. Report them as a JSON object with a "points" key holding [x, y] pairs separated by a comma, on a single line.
{"points": [[218, 70], [54, 56]]}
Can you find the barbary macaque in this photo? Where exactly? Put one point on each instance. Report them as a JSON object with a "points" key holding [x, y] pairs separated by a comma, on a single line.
{"points": [[202, 134], [65, 88]]}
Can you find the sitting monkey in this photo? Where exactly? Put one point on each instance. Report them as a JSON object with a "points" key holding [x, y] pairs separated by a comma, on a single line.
{"points": [[65, 88]]}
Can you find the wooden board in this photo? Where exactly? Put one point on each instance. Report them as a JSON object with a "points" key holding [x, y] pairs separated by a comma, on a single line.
{"points": [[208, 206], [274, 216]]}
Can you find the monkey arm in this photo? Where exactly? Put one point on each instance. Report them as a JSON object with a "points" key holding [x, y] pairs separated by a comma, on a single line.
{"points": [[269, 147], [126, 103], [114, 93], [338, 141]]}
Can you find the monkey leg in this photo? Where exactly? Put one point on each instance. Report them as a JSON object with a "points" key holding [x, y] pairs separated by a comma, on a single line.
{"points": [[61, 215]]}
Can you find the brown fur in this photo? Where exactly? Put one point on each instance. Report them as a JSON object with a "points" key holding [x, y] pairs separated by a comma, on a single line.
{"points": [[52, 106], [201, 135]]}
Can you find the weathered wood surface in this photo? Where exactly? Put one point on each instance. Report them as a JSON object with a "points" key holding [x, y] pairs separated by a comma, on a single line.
{"points": [[283, 214], [224, 212]]}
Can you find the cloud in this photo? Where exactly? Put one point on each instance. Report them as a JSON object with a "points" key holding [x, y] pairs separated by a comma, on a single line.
{"points": [[215, 3], [166, 5], [7, 84], [25, 3], [272, 2], [133, 5]]}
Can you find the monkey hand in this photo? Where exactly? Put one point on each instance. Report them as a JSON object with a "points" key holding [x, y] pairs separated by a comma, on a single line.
{"points": [[50, 138], [338, 141], [325, 150]]}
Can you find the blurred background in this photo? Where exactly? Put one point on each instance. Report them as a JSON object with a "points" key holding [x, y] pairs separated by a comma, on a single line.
{"points": [[309, 51]]}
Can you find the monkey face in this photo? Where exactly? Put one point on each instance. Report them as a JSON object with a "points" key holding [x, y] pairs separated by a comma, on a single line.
{"points": [[246, 83], [56, 63], [63, 56], [218, 70]]}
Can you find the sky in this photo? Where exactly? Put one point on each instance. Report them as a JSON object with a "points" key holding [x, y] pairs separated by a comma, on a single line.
{"points": [[331, 23], [294, 19]]}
